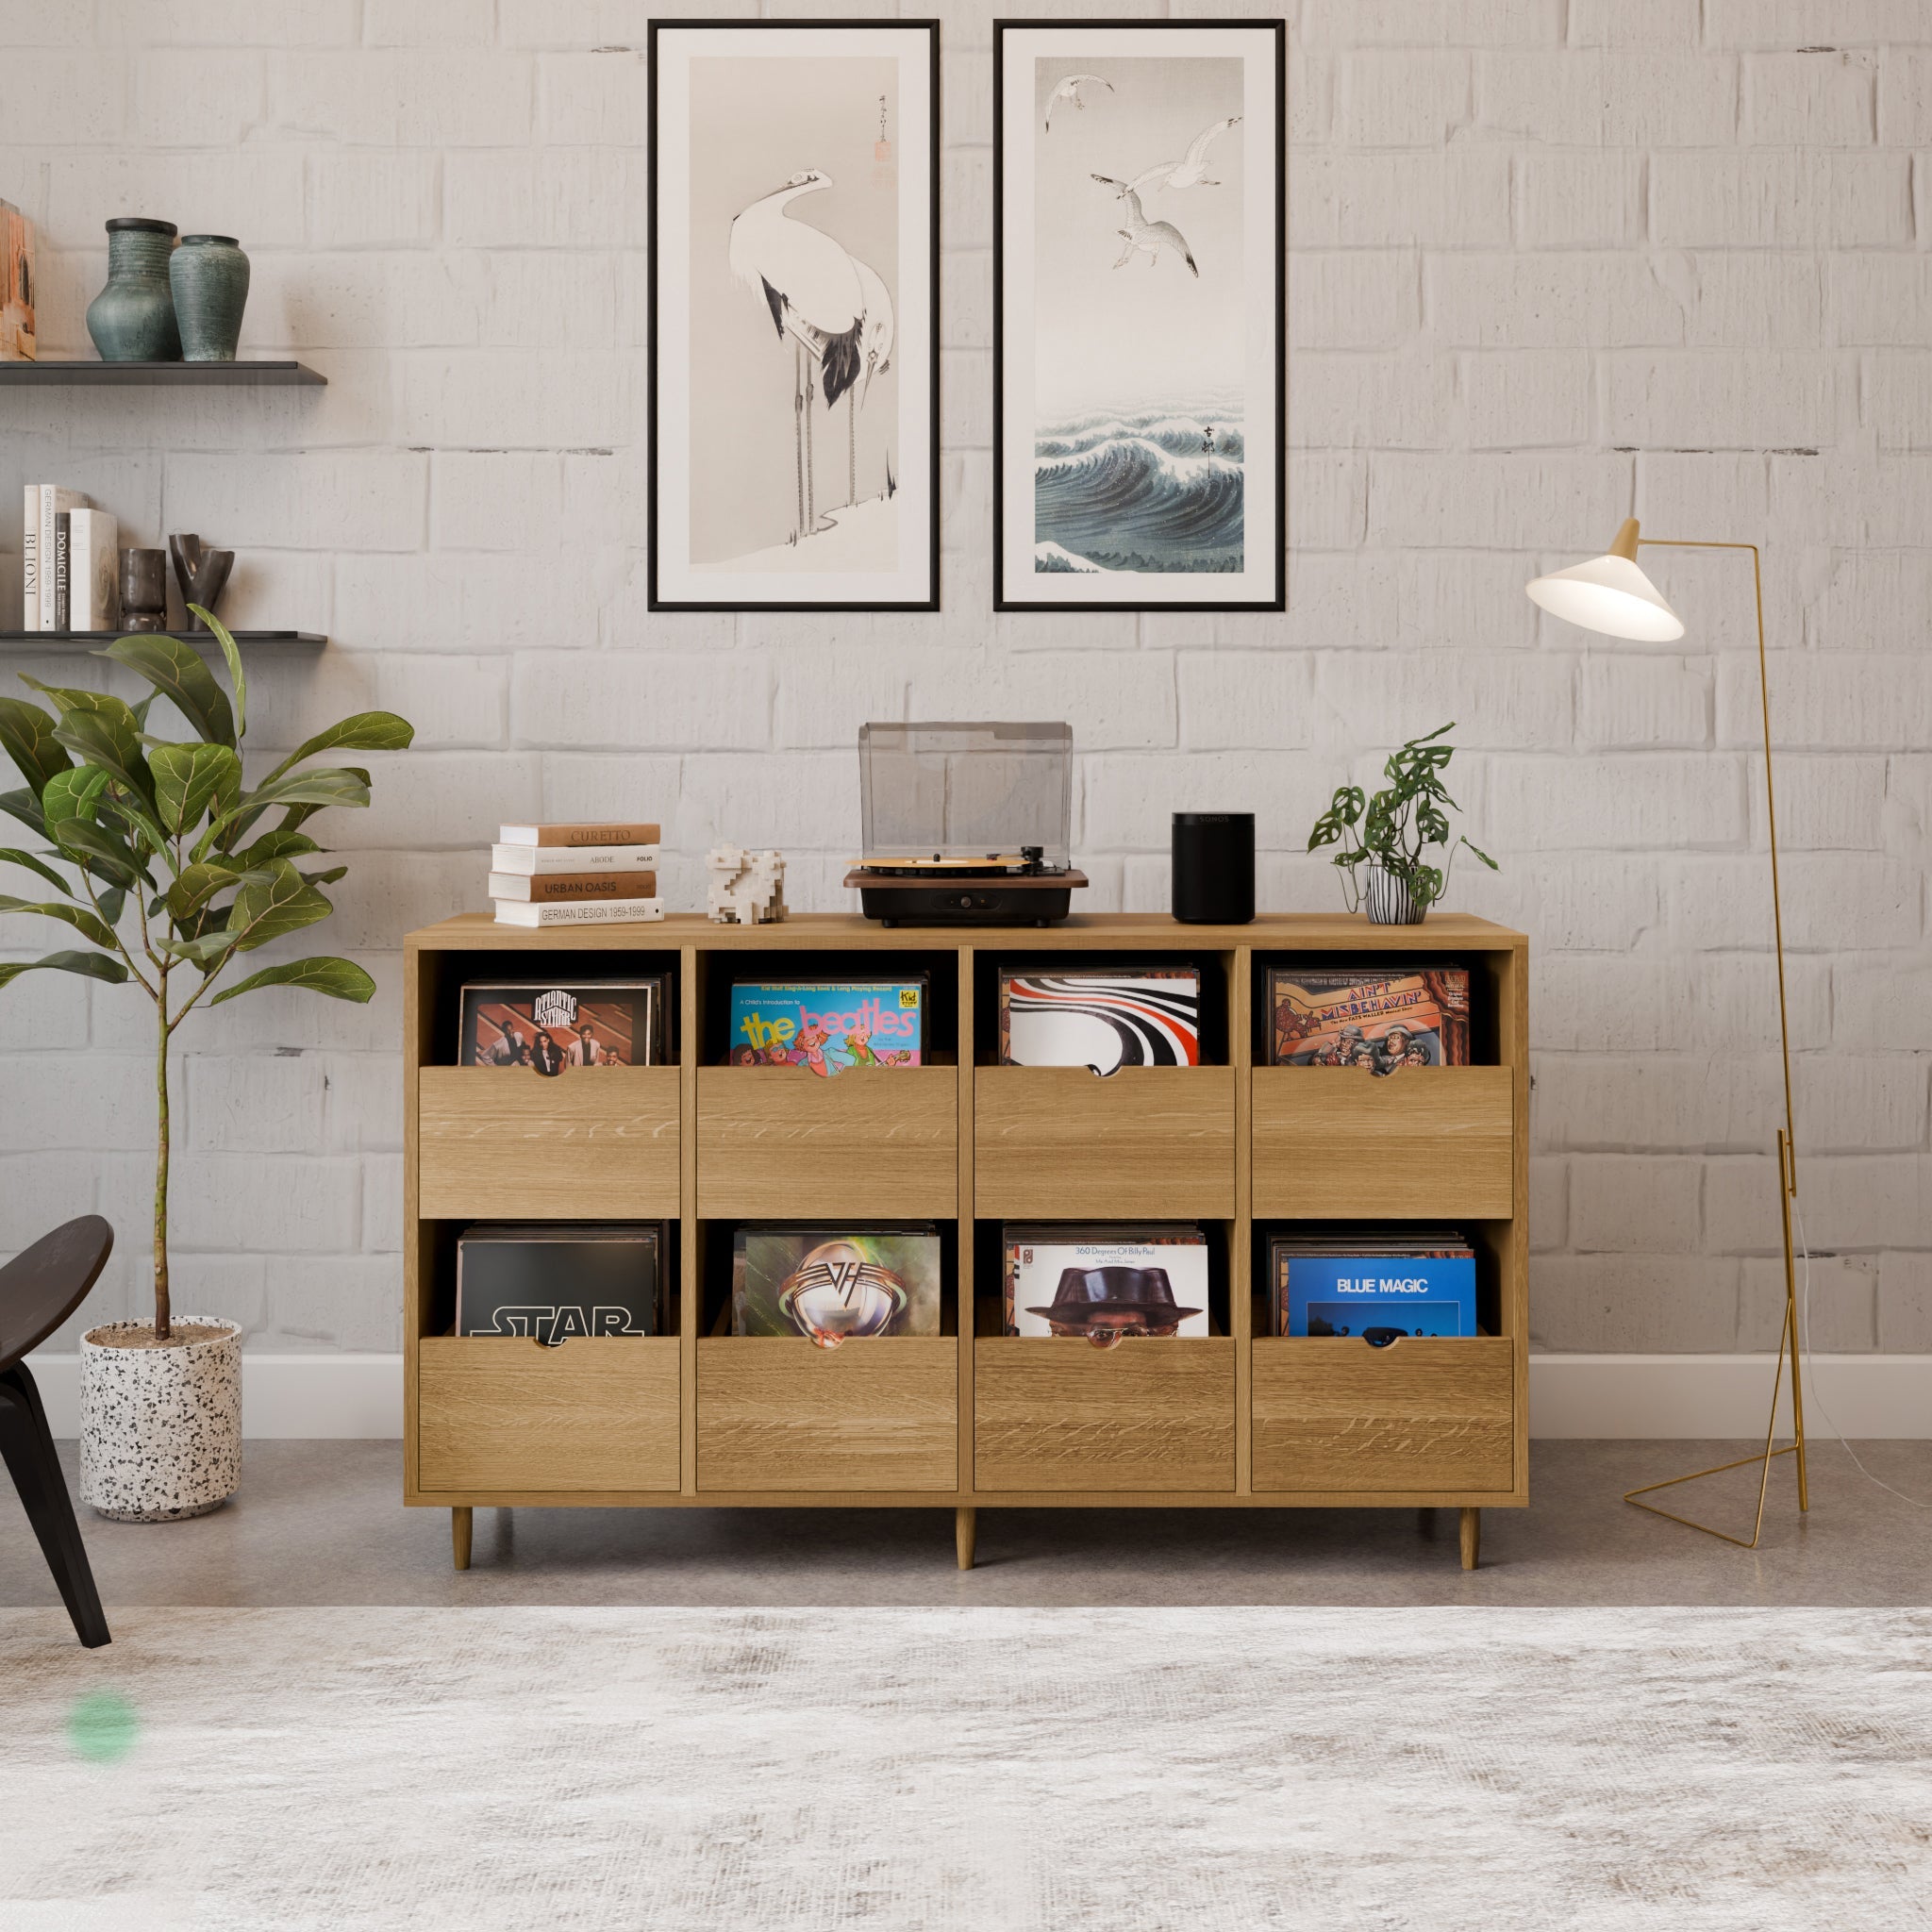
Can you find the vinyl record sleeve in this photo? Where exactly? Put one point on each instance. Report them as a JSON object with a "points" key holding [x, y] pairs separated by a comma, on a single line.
{"points": [[1035, 1260], [1122, 1017], [834, 1284], [555, 1282], [828, 1025], [550, 1025], [1368, 1017], [1347, 1289]]}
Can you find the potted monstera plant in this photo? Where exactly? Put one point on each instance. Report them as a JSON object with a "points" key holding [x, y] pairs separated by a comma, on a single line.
{"points": [[1389, 834], [172, 869]]}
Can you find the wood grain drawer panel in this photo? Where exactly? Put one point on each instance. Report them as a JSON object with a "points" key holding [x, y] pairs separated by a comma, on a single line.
{"points": [[1146, 1142], [590, 1143], [1332, 1414], [776, 1414], [1144, 1416], [878, 1142], [1424, 1140], [502, 1413]]}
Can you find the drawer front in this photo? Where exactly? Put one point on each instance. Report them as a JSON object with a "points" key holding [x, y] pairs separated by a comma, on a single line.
{"points": [[882, 1142], [1334, 1415], [1143, 1416], [506, 1143], [778, 1414], [1065, 1145], [1424, 1140], [501, 1413]]}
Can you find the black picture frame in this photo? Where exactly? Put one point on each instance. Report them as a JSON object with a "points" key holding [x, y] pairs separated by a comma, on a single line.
{"points": [[1278, 600], [655, 600]]}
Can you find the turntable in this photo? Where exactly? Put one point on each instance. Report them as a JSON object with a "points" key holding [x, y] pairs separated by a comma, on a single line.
{"points": [[966, 823]]}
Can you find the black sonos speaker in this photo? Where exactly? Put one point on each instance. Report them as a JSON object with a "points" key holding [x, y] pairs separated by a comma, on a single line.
{"points": [[1214, 867]]}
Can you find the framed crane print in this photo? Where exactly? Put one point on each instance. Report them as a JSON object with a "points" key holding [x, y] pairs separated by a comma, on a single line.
{"points": [[1140, 239], [795, 315]]}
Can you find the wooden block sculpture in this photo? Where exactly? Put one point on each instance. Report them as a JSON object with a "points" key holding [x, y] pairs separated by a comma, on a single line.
{"points": [[746, 887]]}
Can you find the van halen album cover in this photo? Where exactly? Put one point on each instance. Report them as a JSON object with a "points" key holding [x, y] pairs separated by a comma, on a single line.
{"points": [[826, 1025], [548, 1028], [553, 1282], [1105, 1285], [1139, 1017], [835, 1285], [1368, 1017]]}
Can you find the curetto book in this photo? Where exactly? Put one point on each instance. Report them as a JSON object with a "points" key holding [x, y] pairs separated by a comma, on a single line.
{"points": [[625, 832]]}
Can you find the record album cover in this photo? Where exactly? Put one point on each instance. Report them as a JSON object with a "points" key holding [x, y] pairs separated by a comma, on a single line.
{"points": [[834, 1285], [826, 1025], [1368, 1017], [1105, 1285], [553, 1282], [1377, 1287], [547, 1028], [1125, 1017]]}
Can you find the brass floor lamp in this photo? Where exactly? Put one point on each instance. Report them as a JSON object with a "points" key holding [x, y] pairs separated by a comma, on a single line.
{"points": [[1611, 595]]}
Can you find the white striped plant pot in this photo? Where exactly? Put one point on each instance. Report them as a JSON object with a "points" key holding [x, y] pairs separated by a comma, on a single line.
{"points": [[160, 1428], [1389, 900]]}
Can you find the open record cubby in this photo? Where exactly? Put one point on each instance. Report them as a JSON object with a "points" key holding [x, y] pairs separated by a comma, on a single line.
{"points": [[969, 1418]]}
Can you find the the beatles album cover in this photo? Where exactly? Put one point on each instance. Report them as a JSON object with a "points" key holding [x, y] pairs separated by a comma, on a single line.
{"points": [[1125, 1017], [834, 1285], [1105, 1285], [547, 1028], [826, 1025], [1376, 1286], [554, 1282], [1368, 1017]]}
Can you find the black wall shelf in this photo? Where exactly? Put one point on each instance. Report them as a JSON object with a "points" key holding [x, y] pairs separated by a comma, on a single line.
{"points": [[163, 375], [24, 643]]}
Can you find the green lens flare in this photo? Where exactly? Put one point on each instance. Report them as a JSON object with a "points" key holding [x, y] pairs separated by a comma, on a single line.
{"points": [[102, 1726]]}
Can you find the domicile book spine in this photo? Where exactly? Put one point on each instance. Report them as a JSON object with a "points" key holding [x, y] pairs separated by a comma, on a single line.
{"points": [[63, 570], [578, 912]]}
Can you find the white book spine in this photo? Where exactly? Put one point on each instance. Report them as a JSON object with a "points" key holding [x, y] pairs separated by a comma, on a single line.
{"points": [[92, 599], [528, 859], [574, 912], [30, 558], [53, 501]]}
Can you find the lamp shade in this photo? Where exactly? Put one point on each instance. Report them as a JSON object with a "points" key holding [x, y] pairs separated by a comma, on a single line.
{"points": [[1609, 595]]}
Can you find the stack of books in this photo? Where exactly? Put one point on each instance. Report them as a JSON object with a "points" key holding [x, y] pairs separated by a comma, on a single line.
{"points": [[575, 875], [69, 562]]}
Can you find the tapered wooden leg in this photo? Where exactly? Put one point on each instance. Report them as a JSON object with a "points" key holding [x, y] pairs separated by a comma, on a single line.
{"points": [[459, 1537], [965, 1531], [1472, 1538], [26, 1445]]}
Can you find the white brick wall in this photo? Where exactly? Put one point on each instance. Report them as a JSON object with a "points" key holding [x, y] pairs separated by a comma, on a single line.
{"points": [[1554, 261]]}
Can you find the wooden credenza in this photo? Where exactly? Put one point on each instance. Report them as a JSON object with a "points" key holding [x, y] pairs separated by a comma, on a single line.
{"points": [[970, 1418]]}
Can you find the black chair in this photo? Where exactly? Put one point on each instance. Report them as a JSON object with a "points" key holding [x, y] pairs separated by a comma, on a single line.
{"points": [[39, 1290]]}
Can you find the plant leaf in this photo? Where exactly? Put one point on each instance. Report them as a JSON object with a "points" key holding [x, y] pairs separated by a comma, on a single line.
{"points": [[1484, 856], [92, 965], [71, 794], [14, 855], [192, 780], [276, 900], [111, 857], [179, 671], [109, 737], [331, 785], [114, 902], [198, 884], [282, 845], [231, 652], [27, 735], [329, 877], [78, 917], [24, 805], [365, 731], [338, 978]]}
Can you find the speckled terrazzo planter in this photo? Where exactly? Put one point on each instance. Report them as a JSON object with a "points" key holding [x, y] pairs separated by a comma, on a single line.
{"points": [[160, 1428]]}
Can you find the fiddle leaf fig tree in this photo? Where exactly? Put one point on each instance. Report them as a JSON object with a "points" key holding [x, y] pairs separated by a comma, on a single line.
{"points": [[1395, 828], [165, 860]]}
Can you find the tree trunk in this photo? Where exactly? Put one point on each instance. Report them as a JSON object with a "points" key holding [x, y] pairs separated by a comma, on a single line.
{"points": [[161, 1311]]}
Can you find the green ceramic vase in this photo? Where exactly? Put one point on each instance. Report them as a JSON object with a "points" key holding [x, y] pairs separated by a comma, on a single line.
{"points": [[210, 274], [132, 319]]}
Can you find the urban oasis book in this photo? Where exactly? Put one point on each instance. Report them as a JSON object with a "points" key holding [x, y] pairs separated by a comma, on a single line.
{"points": [[547, 1027], [1368, 1017], [834, 1285], [827, 1026]]}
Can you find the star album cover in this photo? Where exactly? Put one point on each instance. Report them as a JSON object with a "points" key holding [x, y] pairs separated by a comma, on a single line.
{"points": [[1368, 1017], [547, 1027]]}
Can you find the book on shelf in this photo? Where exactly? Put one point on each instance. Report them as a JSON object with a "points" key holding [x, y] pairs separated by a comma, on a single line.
{"points": [[1105, 1285], [93, 574], [64, 563], [30, 557], [577, 911], [546, 887], [53, 502], [625, 832], [1375, 1285], [532, 859]]}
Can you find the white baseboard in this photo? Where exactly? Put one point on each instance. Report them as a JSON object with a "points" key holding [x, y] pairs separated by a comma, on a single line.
{"points": [[314, 1396]]}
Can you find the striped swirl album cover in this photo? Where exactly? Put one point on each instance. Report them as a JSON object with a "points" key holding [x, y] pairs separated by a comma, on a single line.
{"points": [[1121, 1017]]}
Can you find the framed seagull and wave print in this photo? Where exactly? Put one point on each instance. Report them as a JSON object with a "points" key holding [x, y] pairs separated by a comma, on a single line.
{"points": [[1138, 257], [795, 315]]}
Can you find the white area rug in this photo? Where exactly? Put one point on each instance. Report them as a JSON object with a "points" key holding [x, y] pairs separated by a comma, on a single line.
{"points": [[1454, 1770]]}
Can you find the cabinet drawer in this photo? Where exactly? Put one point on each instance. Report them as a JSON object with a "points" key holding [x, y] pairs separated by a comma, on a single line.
{"points": [[779, 1414], [1065, 1145], [1337, 1142], [501, 1413], [1332, 1415], [590, 1144], [882, 1142], [1143, 1416]]}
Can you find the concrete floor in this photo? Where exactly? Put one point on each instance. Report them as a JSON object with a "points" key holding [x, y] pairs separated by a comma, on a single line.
{"points": [[323, 1522]]}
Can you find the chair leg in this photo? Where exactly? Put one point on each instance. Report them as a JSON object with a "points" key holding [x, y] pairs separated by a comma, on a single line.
{"points": [[27, 1446]]}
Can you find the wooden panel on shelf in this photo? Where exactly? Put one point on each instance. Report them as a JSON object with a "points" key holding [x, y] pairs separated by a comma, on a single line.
{"points": [[1335, 1415], [882, 1142], [1147, 1416], [503, 1413], [776, 1414], [1331, 1142], [589, 1144], [1062, 1143]]}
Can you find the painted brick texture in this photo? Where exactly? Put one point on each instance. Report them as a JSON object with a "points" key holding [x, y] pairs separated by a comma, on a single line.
{"points": [[1552, 262]]}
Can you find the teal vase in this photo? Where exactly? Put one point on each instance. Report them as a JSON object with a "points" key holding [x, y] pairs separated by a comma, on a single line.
{"points": [[209, 275], [132, 319]]}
